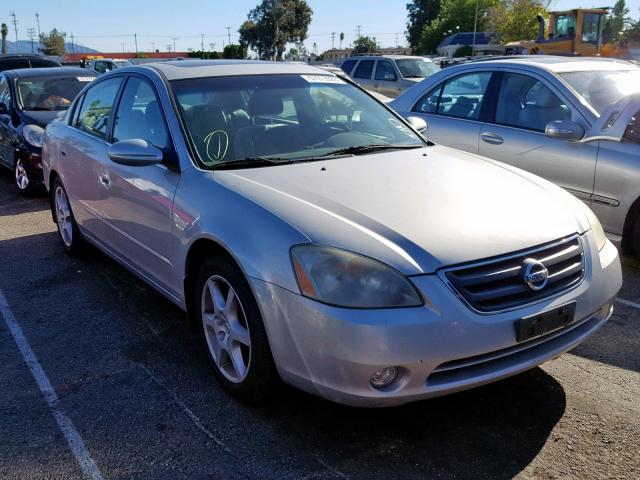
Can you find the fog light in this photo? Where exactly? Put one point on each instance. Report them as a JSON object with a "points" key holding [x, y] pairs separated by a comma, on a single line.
{"points": [[384, 377]]}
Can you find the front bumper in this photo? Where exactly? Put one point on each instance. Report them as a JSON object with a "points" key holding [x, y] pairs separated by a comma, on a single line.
{"points": [[439, 348], [32, 162]]}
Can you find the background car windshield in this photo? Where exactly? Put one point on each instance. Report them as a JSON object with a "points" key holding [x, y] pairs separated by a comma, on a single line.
{"points": [[50, 93], [604, 88], [283, 116], [414, 68], [123, 63]]}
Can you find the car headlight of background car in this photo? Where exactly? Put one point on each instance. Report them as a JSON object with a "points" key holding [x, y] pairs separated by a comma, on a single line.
{"points": [[33, 134], [346, 279]]}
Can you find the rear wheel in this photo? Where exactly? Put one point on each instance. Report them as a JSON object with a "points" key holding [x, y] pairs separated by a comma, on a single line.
{"points": [[232, 331], [67, 228]]}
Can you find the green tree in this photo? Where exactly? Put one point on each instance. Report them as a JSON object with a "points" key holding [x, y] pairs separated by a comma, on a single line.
{"points": [[341, 39], [512, 20], [273, 24], [365, 45], [4, 30], [616, 22], [420, 14], [455, 15], [234, 51], [52, 43]]}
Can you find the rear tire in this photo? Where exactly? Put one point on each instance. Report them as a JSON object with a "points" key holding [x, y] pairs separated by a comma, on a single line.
{"points": [[68, 231], [232, 331]]}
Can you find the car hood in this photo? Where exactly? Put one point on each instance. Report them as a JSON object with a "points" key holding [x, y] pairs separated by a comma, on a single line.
{"points": [[416, 210], [40, 118]]}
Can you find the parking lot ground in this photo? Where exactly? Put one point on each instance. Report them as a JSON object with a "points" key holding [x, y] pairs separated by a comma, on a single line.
{"points": [[134, 382]]}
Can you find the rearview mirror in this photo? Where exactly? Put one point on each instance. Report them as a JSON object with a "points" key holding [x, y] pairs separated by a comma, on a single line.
{"points": [[135, 153], [564, 130], [418, 124]]}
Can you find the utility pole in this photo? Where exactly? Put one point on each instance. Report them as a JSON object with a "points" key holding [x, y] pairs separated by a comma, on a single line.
{"points": [[212, 47], [359, 30], [174, 43], [168, 47], [15, 27], [153, 47], [135, 42], [202, 45], [38, 22], [122, 47], [475, 28], [333, 38], [229, 34], [73, 44], [31, 32], [397, 44]]}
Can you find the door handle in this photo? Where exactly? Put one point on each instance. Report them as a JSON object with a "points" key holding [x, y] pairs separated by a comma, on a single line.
{"points": [[492, 138], [104, 180]]}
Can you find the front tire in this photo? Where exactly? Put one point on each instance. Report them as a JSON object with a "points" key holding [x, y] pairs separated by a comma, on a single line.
{"points": [[68, 231], [232, 331], [23, 182]]}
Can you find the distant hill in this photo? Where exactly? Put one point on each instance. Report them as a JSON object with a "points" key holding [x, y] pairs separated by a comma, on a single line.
{"points": [[24, 46]]}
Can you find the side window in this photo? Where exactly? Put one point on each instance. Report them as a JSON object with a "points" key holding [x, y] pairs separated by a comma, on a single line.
{"points": [[76, 112], [525, 102], [140, 115], [364, 69], [100, 67], [95, 110], [385, 71], [5, 94], [632, 132], [347, 66], [460, 97], [590, 28]]}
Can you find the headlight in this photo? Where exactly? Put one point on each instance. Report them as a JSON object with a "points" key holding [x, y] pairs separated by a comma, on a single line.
{"points": [[345, 279], [596, 226], [33, 135]]}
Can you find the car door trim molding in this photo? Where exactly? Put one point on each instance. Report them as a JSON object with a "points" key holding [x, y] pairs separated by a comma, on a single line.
{"points": [[601, 199], [137, 242], [579, 193]]}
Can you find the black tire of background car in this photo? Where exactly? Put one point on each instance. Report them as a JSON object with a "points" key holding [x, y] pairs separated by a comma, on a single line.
{"points": [[262, 380], [78, 243], [30, 188]]}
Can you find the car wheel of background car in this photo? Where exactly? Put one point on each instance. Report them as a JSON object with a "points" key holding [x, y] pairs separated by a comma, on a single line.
{"points": [[23, 183], [636, 238], [67, 228], [232, 330]]}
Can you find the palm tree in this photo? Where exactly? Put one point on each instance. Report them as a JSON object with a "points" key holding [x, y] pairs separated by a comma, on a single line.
{"points": [[341, 39], [5, 31]]}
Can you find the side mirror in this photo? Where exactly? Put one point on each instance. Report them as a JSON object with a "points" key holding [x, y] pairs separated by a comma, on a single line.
{"points": [[135, 153], [418, 124], [564, 130]]}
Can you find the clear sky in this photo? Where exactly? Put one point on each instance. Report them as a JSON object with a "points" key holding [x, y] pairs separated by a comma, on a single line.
{"points": [[110, 25]]}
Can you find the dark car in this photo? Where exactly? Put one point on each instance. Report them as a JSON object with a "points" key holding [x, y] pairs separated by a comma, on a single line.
{"points": [[30, 98], [13, 62]]}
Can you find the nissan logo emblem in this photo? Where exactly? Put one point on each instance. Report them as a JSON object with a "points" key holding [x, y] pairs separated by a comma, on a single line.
{"points": [[534, 274]]}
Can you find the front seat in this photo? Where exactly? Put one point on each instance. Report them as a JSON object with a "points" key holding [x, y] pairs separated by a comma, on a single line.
{"points": [[546, 107], [209, 131]]}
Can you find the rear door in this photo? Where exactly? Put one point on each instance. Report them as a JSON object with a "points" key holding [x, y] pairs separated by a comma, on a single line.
{"points": [[363, 73], [515, 135], [138, 207], [385, 79], [454, 110]]}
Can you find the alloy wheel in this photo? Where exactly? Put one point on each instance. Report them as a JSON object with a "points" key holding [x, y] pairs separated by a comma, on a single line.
{"points": [[226, 329], [22, 179], [63, 216]]}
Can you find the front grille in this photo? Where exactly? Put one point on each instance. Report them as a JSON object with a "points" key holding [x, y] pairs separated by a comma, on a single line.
{"points": [[498, 284]]}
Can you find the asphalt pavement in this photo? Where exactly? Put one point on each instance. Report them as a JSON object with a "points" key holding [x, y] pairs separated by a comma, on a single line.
{"points": [[134, 387]]}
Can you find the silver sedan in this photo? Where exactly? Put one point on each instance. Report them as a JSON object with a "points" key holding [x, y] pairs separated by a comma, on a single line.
{"points": [[313, 235], [557, 117]]}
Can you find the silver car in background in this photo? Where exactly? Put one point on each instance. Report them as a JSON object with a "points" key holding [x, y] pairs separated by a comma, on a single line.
{"points": [[573, 121], [389, 75], [312, 234]]}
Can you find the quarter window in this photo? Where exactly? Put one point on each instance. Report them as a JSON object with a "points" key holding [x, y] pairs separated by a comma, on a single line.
{"points": [[525, 102], [364, 69], [460, 97], [140, 116], [347, 66], [95, 110], [385, 71], [5, 94]]}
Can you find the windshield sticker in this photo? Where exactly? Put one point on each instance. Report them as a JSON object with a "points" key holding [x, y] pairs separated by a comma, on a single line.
{"points": [[85, 79], [322, 79], [216, 145], [403, 128]]}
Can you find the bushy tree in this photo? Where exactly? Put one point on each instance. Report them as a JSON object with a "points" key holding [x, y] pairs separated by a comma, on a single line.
{"points": [[512, 20], [234, 51], [273, 24], [52, 43], [616, 22], [4, 30], [365, 45], [420, 14]]}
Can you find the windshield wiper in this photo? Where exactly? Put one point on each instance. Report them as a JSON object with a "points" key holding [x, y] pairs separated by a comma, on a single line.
{"points": [[360, 149], [251, 162]]}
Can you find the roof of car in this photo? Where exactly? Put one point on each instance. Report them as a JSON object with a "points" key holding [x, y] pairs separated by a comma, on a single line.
{"points": [[392, 57], [182, 69], [22, 55], [50, 72], [558, 64]]}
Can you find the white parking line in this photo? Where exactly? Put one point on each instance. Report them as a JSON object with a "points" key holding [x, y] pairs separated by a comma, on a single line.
{"points": [[76, 444], [628, 303]]}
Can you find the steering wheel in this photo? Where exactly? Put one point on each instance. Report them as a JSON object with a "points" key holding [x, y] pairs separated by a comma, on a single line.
{"points": [[326, 131]]}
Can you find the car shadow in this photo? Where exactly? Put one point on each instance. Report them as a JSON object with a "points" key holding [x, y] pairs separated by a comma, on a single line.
{"points": [[12, 203]]}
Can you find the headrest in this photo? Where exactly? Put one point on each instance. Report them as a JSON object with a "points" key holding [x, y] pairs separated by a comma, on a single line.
{"points": [[545, 98], [265, 103]]}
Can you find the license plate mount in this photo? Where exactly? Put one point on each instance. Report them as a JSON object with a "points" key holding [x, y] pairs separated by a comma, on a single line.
{"points": [[545, 322]]}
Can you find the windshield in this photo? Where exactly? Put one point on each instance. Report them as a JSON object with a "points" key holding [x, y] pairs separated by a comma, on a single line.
{"points": [[284, 117], [416, 68], [122, 63], [49, 93], [604, 88]]}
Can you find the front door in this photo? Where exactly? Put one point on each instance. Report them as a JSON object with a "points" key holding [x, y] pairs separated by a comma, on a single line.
{"points": [[7, 133], [524, 107], [386, 79], [138, 208]]}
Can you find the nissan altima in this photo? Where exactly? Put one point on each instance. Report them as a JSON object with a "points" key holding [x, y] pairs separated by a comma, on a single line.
{"points": [[315, 236]]}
